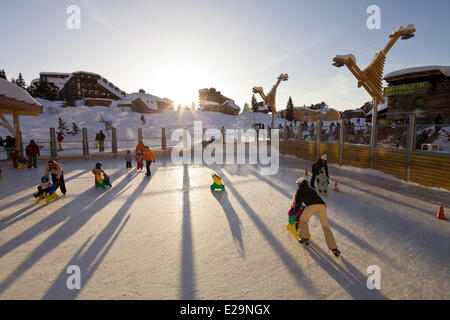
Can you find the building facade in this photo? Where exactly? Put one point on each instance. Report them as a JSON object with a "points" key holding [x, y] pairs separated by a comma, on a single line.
{"points": [[423, 91], [213, 100]]}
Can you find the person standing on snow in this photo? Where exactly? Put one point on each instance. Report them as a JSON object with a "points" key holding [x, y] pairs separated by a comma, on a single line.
{"points": [[100, 137], [317, 167], [32, 151], [149, 157], [60, 139], [313, 203]]}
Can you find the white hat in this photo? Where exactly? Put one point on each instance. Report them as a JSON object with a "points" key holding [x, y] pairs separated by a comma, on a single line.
{"points": [[300, 180], [324, 157]]}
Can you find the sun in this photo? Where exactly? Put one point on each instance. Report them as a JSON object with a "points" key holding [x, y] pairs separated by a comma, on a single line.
{"points": [[180, 81]]}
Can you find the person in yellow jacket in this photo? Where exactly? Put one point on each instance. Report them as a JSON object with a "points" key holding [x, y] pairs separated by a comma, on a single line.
{"points": [[149, 157]]}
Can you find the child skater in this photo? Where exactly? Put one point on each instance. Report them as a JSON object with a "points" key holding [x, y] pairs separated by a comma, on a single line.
{"points": [[128, 159], [43, 189], [99, 182], [322, 183], [139, 160]]}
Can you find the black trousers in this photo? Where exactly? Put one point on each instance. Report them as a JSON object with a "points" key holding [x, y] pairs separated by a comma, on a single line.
{"points": [[32, 161], [128, 164], [147, 166], [61, 183], [313, 180]]}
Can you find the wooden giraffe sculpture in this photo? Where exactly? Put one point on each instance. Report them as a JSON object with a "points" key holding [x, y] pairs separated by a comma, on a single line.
{"points": [[269, 99]]}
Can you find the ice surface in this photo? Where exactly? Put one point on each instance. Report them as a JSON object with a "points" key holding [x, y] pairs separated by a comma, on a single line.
{"points": [[169, 237]]}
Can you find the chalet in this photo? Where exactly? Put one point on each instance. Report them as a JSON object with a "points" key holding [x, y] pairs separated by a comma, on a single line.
{"points": [[307, 114], [213, 100], [423, 91]]}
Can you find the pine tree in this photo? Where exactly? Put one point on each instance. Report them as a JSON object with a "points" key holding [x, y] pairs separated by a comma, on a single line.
{"points": [[13, 80], [62, 126], [45, 91], [75, 128], [246, 108], [21, 82], [69, 102], [254, 104], [3, 74], [290, 110]]}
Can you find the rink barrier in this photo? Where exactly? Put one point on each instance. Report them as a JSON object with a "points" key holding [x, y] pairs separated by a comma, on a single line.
{"points": [[430, 170]]}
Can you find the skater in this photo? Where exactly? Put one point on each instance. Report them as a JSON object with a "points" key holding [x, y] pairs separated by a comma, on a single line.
{"points": [[313, 204], [10, 146], [128, 159], [56, 170], [140, 147], [322, 183], [14, 155], [32, 152], [44, 190], [149, 157], [99, 182], [60, 139], [139, 160], [317, 167]]}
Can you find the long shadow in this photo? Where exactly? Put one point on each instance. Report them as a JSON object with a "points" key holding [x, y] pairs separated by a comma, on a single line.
{"points": [[388, 199], [96, 252], [187, 284], [272, 184], [277, 247], [72, 217], [349, 278], [50, 221], [234, 222]]}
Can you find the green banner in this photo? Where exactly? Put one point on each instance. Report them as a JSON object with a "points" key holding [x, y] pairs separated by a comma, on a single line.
{"points": [[405, 89]]}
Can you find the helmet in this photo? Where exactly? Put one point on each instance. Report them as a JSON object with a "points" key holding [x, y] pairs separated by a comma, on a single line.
{"points": [[98, 165], [45, 178]]}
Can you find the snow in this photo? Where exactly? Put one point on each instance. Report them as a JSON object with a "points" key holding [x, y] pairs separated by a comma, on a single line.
{"points": [[12, 91], [444, 69], [149, 100], [169, 237], [59, 82]]}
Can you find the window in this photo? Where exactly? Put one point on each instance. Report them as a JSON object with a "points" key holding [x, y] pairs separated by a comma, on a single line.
{"points": [[419, 102]]}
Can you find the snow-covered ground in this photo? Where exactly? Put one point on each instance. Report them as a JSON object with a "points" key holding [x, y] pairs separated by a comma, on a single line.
{"points": [[170, 237]]}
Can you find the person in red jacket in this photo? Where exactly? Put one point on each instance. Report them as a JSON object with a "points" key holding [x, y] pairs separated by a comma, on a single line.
{"points": [[60, 138], [32, 152]]}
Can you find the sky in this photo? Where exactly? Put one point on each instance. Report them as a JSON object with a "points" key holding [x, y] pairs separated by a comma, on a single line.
{"points": [[172, 48]]}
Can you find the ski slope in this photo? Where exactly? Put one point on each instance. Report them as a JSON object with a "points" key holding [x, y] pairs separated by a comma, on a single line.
{"points": [[169, 237]]}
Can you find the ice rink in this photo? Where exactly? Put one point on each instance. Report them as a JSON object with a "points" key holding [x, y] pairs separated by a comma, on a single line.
{"points": [[170, 237]]}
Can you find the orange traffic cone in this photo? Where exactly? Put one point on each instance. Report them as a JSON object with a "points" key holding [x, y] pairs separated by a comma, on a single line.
{"points": [[441, 214], [306, 172], [336, 186]]}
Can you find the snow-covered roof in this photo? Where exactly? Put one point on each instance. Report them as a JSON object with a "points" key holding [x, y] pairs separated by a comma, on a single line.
{"points": [[59, 82], [207, 102], [13, 91], [445, 70], [381, 107], [56, 73], [104, 83], [231, 104]]}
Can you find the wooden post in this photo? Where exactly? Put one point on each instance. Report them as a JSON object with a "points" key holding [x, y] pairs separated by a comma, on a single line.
{"points": [[140, 135], [163, 139], [17, 133], [341, 141], [85, 143], [411, 144], [373, 131], [319, 129], [53, 152], [300, 134], [114, 140]]}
